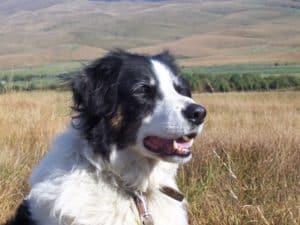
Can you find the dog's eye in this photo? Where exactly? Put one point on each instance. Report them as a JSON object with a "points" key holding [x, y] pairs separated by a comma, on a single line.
{"points": [[183, 91], [144, 90]]}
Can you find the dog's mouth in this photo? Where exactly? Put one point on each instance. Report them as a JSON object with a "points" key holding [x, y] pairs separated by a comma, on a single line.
{"points": [[170, 147]]}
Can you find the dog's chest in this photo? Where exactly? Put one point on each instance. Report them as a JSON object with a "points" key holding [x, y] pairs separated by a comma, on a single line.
{"points": [[80, 201]]}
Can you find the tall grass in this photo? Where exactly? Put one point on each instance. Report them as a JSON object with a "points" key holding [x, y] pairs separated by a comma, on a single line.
{"points": [[245, 168], [28, 121]]}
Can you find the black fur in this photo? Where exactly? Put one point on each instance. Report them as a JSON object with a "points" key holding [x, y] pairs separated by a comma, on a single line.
{"points": [[117, 87], [22, 217]]}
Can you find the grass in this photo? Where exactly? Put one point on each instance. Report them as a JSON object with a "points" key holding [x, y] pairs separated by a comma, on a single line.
{"points": [[243, 77], [66, 67], [261, 69], [220, 78], [49, 76], [28, 122], [42, 70], [245, 167]]}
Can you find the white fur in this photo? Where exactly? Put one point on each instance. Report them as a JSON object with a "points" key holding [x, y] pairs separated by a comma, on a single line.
{"points": [[67, 189], [167, 120]]}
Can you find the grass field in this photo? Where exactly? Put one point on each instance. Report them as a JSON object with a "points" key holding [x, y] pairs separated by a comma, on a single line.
{"points": [[255, 69], [42, 70], [220, 78], [245, 169]]}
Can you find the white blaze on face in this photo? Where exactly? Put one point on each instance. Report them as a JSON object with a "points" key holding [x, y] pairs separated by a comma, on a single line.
{"points": [[167, 119], [165, 79]]}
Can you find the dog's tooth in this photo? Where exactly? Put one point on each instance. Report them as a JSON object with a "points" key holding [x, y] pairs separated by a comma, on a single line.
{"points": [[179, 150], [192, 141], [175, 145]]}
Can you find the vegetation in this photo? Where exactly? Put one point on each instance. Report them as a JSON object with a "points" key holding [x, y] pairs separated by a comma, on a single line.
{"points": [[243, 77], [50, 76], [241, 82], [245, 167], [203, 79]]}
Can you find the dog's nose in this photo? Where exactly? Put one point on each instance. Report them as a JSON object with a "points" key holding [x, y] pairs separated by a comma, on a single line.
{"points": [[195, 113]]}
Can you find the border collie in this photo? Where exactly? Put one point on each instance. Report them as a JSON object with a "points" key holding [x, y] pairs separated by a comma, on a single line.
{"points": [[134, 123]]}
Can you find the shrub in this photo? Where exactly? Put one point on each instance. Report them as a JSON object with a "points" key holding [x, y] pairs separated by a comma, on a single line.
{"points": [[240, 82], [199, 81]]}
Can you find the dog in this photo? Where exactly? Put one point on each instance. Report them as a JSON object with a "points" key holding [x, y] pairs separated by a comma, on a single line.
{"points": [[134, 122]]}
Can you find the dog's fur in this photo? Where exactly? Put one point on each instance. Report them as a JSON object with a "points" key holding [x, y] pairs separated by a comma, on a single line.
{"points": [[91, 169]]}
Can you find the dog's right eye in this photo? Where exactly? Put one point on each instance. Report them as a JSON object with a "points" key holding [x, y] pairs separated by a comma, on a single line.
{"points": [[145, 90], [183, 91]]}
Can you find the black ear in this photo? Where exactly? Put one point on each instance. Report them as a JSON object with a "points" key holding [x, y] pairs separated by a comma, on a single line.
{"points": [[165, 56], [103, 75], [95, 90], [168, 59]]}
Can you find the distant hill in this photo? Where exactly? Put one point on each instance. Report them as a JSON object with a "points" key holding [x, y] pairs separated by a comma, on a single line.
{"points": [[8, 7], [128, 0], [199, 32]]}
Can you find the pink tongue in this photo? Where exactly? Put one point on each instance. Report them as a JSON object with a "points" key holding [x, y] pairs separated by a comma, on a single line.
{"points": [[166, 145], [187, 144], [158, 143]]}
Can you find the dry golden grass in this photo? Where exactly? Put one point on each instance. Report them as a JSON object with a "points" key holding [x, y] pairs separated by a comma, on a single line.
{"points": [[28, 121], [246, 166], [245, 169]]}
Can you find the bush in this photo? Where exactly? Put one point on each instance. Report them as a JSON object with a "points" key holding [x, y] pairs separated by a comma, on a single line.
{"points": [[240, 82], [199, 81]]}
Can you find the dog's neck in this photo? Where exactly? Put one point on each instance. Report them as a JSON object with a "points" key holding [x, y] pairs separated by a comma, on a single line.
{"points": [[134, 172]]}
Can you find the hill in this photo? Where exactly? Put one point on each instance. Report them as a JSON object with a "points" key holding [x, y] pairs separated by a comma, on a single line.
{"points": [[203, 32]]}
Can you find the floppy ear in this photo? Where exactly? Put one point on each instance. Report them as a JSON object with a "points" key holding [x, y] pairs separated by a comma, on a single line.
{"points": [[95, 91]]}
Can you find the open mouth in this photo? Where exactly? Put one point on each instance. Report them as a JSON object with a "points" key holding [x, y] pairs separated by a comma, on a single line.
{"points": [[170, 147]]}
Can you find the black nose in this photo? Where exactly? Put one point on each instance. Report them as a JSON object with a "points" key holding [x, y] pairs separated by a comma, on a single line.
{"points": [[195, 113]]}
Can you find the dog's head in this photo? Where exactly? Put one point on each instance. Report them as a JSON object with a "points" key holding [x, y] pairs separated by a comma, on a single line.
{"points": [[137, 102]]}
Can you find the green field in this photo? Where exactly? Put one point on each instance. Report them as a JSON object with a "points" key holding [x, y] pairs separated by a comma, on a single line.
{"points": [[49, 76], [238, 77], [43, 70], [262, 69], [243, 77]]}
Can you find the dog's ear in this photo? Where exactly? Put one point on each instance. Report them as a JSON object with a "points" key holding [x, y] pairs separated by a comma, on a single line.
{"points": [[95, 96], [95, 90]]}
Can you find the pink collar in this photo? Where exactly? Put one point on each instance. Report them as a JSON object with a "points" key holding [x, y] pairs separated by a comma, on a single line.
{"points": [[141, 203]]}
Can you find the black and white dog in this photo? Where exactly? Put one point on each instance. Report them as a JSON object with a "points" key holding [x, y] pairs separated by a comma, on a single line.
{"points": [[135, 122]]}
